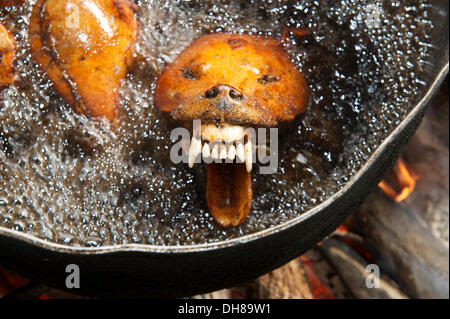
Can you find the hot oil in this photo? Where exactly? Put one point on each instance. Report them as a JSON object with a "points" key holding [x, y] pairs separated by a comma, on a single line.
{"points": [[71, 179]]}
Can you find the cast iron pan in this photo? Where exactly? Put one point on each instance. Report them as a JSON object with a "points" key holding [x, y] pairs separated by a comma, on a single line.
{"points": [[137, 270]]}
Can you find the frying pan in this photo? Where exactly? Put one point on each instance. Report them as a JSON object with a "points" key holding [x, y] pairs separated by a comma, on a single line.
{"points": [[137, 270]]}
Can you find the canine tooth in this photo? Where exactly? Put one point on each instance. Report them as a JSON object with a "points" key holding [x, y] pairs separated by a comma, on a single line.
{"points": [[194, 151], [206, 152], [231, 133], [248, 156], [215, 152], [232, 153], [240, 153], [223, 152]]}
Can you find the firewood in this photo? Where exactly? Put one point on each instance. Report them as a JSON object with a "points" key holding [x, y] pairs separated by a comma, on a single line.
{"points": [[287, 282], [353, 271]]}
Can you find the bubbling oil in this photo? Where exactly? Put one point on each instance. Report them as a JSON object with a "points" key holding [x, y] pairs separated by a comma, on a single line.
{"points": [[70, 179]]}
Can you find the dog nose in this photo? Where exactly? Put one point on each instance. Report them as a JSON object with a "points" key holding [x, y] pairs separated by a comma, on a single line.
{"points": [[224, 97]]}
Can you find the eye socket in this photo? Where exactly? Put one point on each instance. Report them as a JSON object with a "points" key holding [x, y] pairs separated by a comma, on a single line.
{"points": [[266, 78], [189, 74]]}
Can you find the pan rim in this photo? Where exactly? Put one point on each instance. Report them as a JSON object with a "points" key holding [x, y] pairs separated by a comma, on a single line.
{"points": [[180, 249]]}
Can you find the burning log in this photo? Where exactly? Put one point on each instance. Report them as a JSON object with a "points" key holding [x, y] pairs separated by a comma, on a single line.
{"points": [[318, 288], [221, 294], [352, 270], [287, 282], [326, 275], [9, 282]]}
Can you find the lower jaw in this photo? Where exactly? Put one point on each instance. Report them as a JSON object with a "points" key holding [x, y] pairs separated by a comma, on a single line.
{"points": [[229, 193]]}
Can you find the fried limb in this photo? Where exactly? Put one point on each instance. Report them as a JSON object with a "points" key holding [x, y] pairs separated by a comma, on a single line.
{"points": [[7, 57], [85, 47]]}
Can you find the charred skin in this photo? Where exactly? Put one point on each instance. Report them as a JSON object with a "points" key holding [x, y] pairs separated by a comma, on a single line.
{"points": [[85, 47], [232, 82], [7, 57]]}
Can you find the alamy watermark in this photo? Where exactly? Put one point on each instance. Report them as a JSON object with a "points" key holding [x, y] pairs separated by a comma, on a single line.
{"points": [[373, 279], [73, 279]]}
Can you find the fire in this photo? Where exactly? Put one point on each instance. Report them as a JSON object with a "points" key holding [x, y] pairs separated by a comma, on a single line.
{"points": [[405, 179], [10, 282], [318, 289]]}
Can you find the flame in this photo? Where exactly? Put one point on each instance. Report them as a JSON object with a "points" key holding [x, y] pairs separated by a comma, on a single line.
{"points": [[406, 180]]}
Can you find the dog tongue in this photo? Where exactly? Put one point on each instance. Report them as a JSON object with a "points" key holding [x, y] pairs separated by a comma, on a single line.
{"points": [[229, 193]]}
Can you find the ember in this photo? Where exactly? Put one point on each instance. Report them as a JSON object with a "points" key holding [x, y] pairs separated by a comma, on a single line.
{"points": [[9, 282], [318, 289], [14, 286], [405, 179]]}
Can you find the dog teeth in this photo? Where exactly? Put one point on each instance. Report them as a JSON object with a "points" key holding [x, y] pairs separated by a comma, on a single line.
{"points": [[232, 133], [248, 156], [223, 152], [226, 133], [232, 153], [240, 152], [221, 144], [194, 150], [206, 152], [215, 152]]}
